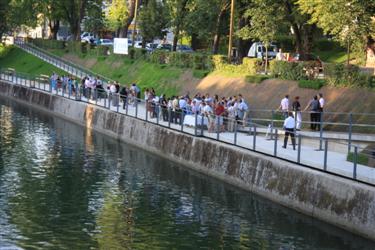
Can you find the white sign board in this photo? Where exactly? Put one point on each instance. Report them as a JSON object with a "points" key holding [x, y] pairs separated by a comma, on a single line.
{"points": [[120, 46]]}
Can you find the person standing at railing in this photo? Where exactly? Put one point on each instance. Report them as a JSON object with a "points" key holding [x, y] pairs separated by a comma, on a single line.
{"points": [[289, 125], [284, 106], [54, 81], [296, 107], [314, 112]]}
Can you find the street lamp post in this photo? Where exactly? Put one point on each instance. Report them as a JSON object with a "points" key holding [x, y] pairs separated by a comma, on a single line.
{"points": [[231, 31], [135, 22]]}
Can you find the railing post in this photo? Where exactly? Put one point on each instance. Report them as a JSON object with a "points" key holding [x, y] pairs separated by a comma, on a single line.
{"points": [[321, 131], [126, 106], [272, 123], [146, 110], [299, 148], [136, 107], [235, 133], [254, 136], [325, 154], [96, 96], [182, 120], [355, 159], [196, 124], [169, 117], [157, 109], [217, 127], [110, 100], [202, 125], [275, 145], [117, 96], [350, 132]]}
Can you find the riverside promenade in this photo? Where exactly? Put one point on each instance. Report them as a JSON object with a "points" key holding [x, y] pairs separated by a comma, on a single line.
{"points": [[332, 159]]}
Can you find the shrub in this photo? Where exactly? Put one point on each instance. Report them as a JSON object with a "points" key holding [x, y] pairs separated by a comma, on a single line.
{"points": [[159, 57], [201, 61], [102, 50], [256, 78], [311, 84], [252, 65], [327, 45], [47, 44], [200, 73], [140, 53], [343, 75], [219, 62], [288, 70], [4, 50]]}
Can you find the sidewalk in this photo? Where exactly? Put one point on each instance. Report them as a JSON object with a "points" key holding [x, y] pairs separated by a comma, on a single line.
{"points": [[336, 161]]}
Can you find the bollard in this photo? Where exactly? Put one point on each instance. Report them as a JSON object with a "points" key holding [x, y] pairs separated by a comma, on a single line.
{"points": [[325, 154], [202, 125], [136, 107]]}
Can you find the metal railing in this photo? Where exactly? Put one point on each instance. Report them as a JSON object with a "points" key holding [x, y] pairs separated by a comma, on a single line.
{"points": [[323, 154]]}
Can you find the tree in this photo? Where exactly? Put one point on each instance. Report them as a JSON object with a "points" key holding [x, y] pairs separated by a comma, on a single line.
{"points": [[117, 15], [153, 20], [73, 12], [348, 21], [4, 25], [264, 21], [94, 18], [207, 20], [177, 12]]}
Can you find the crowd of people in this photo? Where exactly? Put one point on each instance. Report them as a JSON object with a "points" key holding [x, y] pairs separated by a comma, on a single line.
{"points": [[222, 113]]}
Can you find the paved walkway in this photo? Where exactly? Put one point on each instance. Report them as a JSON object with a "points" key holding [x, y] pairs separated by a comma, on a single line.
{"points": [[336, 160]]}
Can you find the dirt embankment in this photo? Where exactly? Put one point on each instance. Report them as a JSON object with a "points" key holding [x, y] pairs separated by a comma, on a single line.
{"points": [[268, 94]]}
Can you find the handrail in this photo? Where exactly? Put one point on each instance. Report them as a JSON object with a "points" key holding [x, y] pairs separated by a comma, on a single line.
{"points": [[92, 97]]}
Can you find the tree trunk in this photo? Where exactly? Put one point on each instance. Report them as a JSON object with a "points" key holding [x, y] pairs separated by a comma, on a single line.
{"points": [[175, 38], [265, 67], [216, 42], [129, 20], [54, 27], [243, 46], [194, 41]]}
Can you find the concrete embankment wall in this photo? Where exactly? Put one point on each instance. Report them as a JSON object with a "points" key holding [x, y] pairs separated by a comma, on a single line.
{"points": [[347, 204]]}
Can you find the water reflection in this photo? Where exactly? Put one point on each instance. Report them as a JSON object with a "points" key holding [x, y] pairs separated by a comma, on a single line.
{"points": [[62, 188]]}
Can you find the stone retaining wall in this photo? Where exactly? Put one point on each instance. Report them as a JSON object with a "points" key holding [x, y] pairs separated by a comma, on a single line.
{"points": [[344, 203]]}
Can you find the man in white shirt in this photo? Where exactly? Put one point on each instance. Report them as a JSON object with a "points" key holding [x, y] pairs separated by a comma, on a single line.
{"points": [[284, 106], [289, 125]]}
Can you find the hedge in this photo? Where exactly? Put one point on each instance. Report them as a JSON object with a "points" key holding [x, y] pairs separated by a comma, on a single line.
{"points": [[287, 70], [344, 75], [48, 44]]}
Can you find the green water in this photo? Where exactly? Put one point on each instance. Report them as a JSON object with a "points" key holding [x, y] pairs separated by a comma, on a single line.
{"points": [[64, 187]]}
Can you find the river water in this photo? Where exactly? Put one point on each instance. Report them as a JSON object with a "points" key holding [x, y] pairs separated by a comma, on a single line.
{"points": [[65, 187]]}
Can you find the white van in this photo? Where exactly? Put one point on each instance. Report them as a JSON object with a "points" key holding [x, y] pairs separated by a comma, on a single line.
{"points": [[258, 50]]}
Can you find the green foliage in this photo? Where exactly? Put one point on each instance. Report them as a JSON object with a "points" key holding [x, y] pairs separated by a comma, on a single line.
{"points": [[287, 70], [343, 75], [311, 84], [15, 58], [4, 50], [349, 22], [200, 73], [219, 62], [153, 19], [117, 14], [252, 65], [327, 45], [362, 159], [256, 78], [48, 44]]}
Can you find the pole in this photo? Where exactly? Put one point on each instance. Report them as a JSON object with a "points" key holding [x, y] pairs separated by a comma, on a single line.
{"points": [[231, 30], [135, 22]]}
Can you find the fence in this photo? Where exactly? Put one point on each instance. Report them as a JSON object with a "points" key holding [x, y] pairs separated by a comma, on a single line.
{"points": [[318, 153]]}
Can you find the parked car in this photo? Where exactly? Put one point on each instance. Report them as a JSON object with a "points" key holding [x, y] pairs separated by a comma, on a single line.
{"points": [[258, 50], [105, 42], [166, 46], [138, 44], [150, 47], [87, 37], [184, 49]]}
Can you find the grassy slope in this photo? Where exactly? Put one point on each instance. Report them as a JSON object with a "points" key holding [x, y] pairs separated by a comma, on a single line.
{"points": [[26, 63], [126, 71]]}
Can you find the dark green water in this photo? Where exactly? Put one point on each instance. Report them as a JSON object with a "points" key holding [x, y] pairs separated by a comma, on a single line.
{"points": [[62, 187]]}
